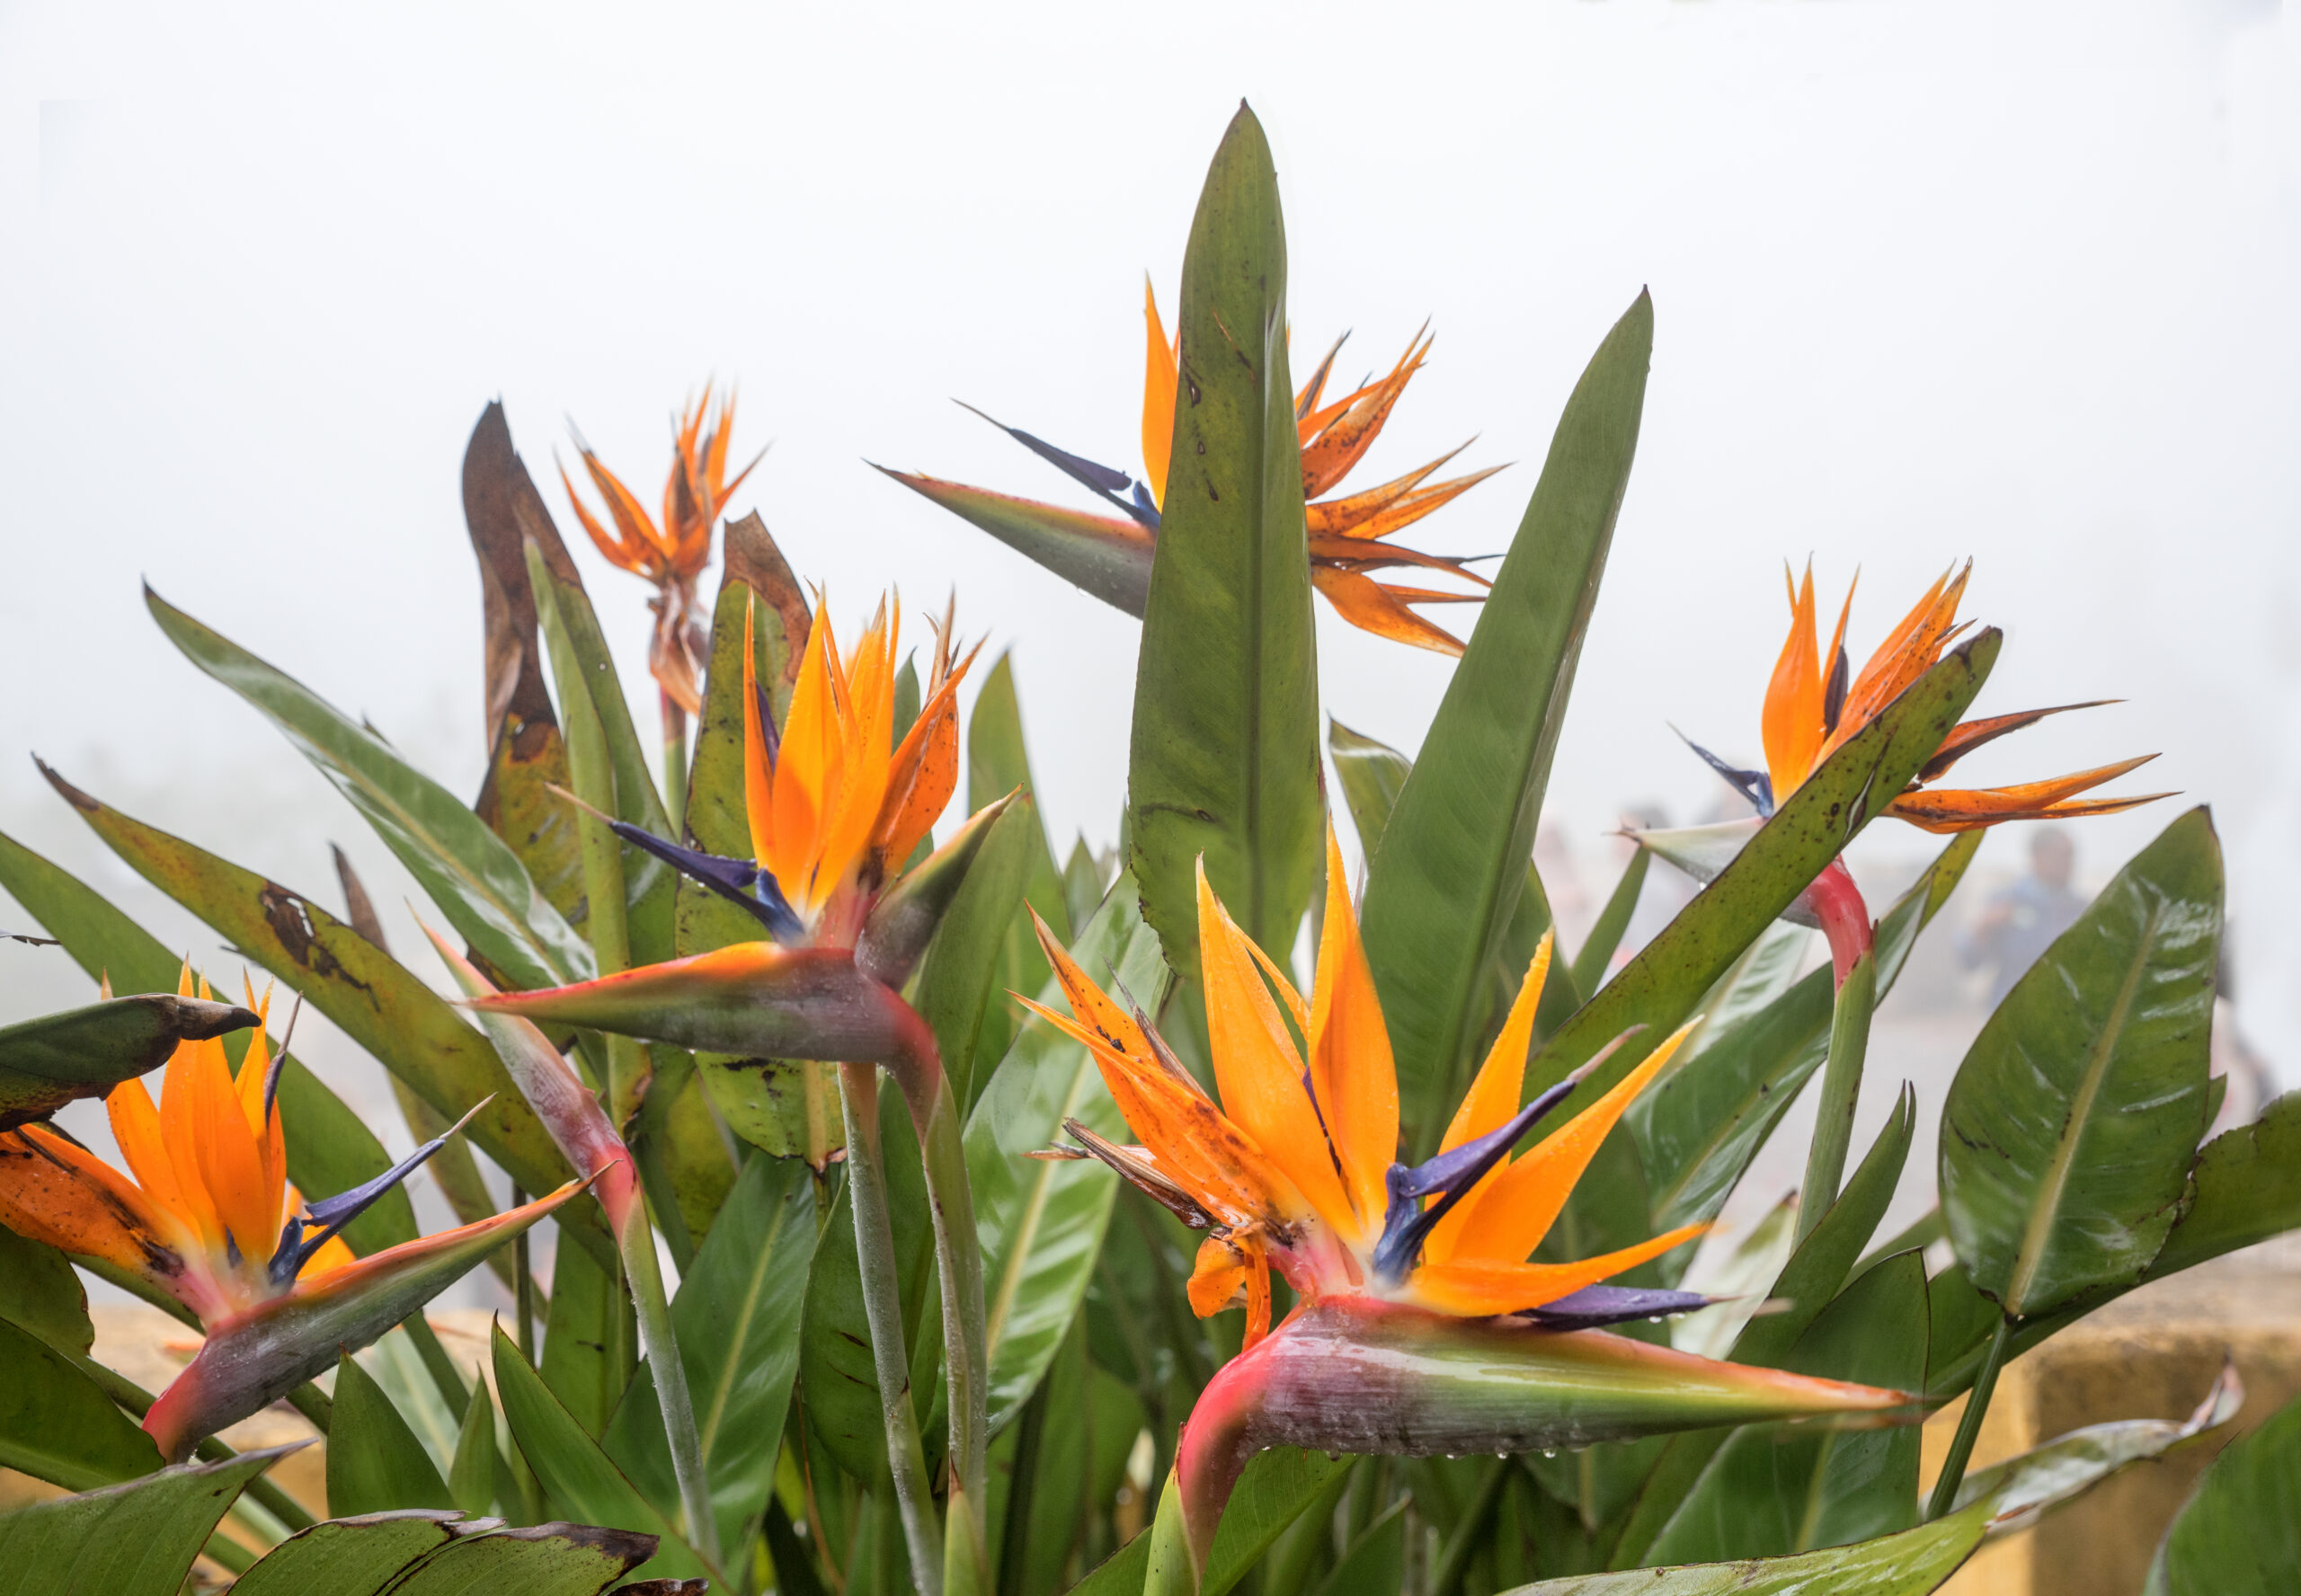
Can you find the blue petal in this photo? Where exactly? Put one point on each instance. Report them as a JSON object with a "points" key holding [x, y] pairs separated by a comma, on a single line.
{"points": [[739, 881], [1111, 483], [332, 1214], [1454, 1174], [1752, 784], [1594, 1306]]}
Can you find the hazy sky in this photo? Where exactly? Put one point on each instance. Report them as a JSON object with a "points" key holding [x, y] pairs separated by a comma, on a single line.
{"points": [[1931, 280]]}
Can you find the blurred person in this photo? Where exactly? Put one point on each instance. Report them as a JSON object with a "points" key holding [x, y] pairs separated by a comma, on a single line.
{"points": [[2020, 921]]}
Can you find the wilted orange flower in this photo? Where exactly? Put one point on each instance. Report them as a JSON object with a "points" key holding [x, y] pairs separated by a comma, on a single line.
{"points": [[670, 553]]}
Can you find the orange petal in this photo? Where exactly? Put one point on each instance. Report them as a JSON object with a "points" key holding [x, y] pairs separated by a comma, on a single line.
{"points": [[1352, 1069], [1968, 735], [181, 1127], [866, 748], [57, 1192], [1257, 1068], [1514, 1214], [640, 539], [1328, 457], [1370, 607], [1792, 723], [923, 775], [758, 770], [607, 546], [1908, 653], [1493, 1098], [1216, 1277], [1953, 809], [1306, 397], [1158, 377], [807, 767], [1476, 1288], [1337, 518], [229, 1161]]}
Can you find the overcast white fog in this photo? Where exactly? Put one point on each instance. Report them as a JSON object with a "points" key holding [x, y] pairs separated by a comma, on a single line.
{"points": [[1931, 280]]}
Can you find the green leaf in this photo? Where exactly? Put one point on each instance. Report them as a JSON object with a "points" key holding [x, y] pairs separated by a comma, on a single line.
{"points": [[1805, 1286], [1271, 1494], [1590, 965], [471, 873], [2068, 1134], [1441, 888], [2246, 1187], [377, 1002], [330, 1148], [375, 1464], [2240, 1534], [1910, 1564], [997, 763], [476, 1479], [736, 1318], [1371, 775], [577, 1476], [1083, 885], [346, 1557], [2013, 1492], [836, 1375], [133, 1539], [1107, 556], [1762, 1038], [62, 1058], [40, 1292], [1768, 1494], [1224, 756], [543, 1560], [785, 1108], [590, 1344], [57, 1424], [1376, 1560], [959, 976], [1042, 1220], [1661, 984]]}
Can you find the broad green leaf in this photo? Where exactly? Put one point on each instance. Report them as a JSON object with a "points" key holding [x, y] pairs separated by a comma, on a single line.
{"points": [[2068, 1134], [997, 763], [543, 1560], [1661, 984], [958, 981], [1107, 556], [1767, 1493], [379, 1004], [1452, 860], [1371, 775], [1739, 1280], [786, 1108], [471, 873], [837, 1379], [1042, 1220], [1224, 756], [1083, 882], [1910, 1564], [132, 1539], [578, 1478], [1376, 1560], [505, 513], [1271, 1494], [330, 1148], [2240, 1535], [57, 1424], [63, 1057], [375, 1463], [1762, 1038], [476, 1477], [589, 1346], [1805, 1286], [2245, 1187], [346, 1557], [736, 1317], [1597, 953], [40, 1292]]}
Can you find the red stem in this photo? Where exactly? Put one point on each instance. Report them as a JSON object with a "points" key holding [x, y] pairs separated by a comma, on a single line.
{"points": [[1837, 903]]}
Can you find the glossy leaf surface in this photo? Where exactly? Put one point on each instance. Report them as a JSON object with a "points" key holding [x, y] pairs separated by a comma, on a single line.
{"points": [[1224, 754], [2240, 1534], [1042, 1220], [958, 982], [1108, 556], [2068, 1134], [1441, 887]]}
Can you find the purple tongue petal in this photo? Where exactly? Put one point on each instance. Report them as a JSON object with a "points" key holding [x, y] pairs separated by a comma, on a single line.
{"points": [[1594, 1306], [1112, 484], [739, 881], [330, 1215], [1453, 1173], [1755, 785]]}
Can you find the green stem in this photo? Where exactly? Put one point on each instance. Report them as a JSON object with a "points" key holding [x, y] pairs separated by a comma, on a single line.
{"points": [[656, 1340], [875, 1256], [1857, 998], [1961, 1447], [523, 1289], [674, 763], [959, 1265]]}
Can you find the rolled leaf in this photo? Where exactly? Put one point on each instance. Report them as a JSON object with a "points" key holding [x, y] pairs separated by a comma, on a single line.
{"points": [[254, 1357], [1224, 757], [1441, 888], [2068, 1134], [84, 1052]]}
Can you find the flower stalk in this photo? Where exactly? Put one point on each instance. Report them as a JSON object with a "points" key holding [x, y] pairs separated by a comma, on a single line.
{"points": [[1962, 1445], [1837, 902]]}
